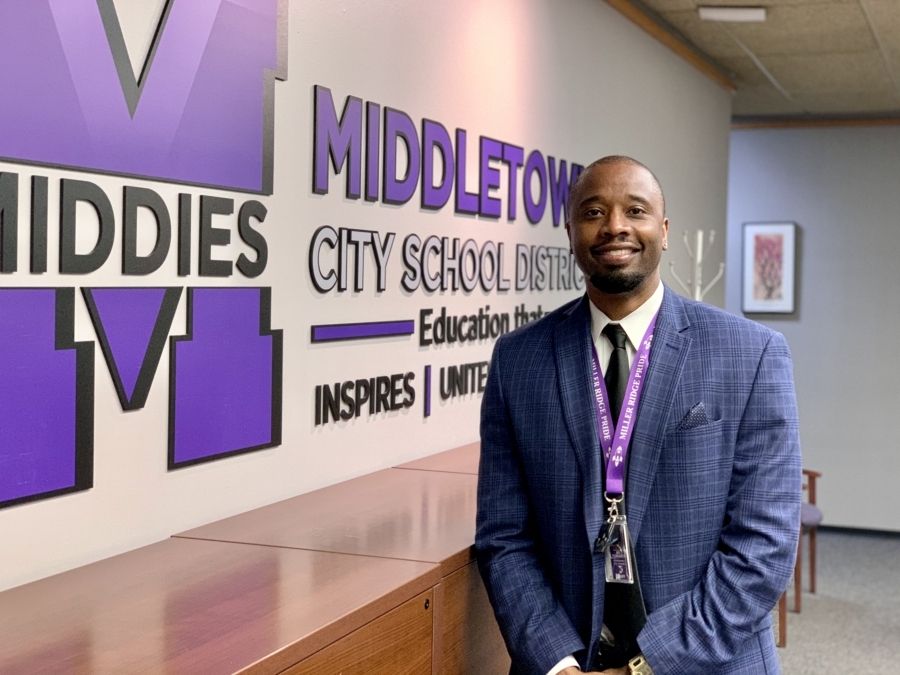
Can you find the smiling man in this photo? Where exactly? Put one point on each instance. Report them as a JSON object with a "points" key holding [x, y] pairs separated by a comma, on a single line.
{"points": [[639, 487]]}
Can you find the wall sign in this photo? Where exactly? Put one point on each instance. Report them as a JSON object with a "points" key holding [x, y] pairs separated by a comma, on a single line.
{"points": [[380, 154], [47, 397], [198, 112]]}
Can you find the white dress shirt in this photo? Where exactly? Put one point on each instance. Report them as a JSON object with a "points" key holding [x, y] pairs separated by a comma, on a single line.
{"points": [[635, 326]]}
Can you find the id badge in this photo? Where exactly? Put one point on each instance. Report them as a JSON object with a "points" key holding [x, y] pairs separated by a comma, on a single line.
{"points": [[617, 552]]}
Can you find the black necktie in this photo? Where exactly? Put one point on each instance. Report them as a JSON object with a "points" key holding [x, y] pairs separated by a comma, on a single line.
{"points": [[616, 376], [623, 610]]}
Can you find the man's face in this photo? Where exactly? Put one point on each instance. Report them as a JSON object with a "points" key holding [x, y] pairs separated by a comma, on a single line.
{"points": [[617, 229]]}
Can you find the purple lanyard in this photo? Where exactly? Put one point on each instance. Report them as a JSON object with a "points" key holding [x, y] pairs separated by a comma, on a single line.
{"points": [[615, 460]]}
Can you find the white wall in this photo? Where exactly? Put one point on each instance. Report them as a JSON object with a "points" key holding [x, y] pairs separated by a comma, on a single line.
{"points": [[573, 79], [842, 187]]}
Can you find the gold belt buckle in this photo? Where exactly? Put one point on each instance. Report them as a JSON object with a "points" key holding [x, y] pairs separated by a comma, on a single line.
{"points": [[639, 666]]}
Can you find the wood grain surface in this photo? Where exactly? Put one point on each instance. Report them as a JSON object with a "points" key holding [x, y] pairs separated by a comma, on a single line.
{"points": [[471, 641], [395, 513], [463, 459], [782, 123], [437, 665], [187, 607], [398, 643]]}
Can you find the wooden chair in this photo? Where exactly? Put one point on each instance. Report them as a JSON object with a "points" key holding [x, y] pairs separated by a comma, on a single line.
{"points": [[810, 518]]}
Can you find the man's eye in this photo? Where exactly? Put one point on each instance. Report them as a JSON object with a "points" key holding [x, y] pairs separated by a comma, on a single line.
{"points": [[592, 212]]}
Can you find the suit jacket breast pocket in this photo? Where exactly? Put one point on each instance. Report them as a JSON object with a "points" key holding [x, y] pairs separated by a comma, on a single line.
{"points": [[700, 444], [696, 463], [710, 426]]}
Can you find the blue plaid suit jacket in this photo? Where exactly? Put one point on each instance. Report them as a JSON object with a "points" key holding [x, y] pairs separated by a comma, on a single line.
{"points": [[713, 509]]}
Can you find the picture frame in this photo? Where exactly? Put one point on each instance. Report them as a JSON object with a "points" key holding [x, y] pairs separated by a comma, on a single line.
{"points": [[769, 268]]}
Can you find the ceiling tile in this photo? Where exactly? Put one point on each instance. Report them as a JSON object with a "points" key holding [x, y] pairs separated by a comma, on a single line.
{"points": [[821, 73], [885, 17], [708, 36], [773, 3], [823, 52], [744, 72], [764, 100], [808, 29], [849, 103]]}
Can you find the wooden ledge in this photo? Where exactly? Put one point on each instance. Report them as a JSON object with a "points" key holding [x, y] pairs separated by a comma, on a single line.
{"points": [[186, 607], [348, 572], [463, 459], [426, 516]]}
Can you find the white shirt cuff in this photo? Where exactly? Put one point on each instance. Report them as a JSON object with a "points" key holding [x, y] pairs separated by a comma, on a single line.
{"points": [[562, 665]]}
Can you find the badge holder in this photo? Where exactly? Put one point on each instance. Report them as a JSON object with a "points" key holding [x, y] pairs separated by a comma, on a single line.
{"points": [[615, 543]]}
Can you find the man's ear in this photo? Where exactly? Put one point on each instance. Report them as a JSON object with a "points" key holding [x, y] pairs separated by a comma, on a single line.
{"points": [[569, 235], [665, 232]]}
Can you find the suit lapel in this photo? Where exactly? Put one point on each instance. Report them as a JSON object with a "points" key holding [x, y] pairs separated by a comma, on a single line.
{"points": [[571, 349], [670, 350]]}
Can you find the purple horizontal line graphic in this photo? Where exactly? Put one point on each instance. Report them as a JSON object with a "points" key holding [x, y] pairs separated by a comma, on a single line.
{"points": [[361, 331]]}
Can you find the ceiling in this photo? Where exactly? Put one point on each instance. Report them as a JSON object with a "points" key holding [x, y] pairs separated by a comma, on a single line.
{"points": [[809, 59]]}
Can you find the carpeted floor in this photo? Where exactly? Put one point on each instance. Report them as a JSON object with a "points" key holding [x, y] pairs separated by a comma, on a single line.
{"points": [[852, 623]]}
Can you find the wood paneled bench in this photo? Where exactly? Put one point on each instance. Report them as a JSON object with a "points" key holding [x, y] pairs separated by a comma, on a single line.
{"points": [[371, 576]]}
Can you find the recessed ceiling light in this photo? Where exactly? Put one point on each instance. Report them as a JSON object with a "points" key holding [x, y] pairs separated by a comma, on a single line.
{"points": [[733, 14]]}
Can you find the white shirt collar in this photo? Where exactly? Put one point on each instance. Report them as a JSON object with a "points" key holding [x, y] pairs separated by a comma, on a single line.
{"points": [[635, 324]]}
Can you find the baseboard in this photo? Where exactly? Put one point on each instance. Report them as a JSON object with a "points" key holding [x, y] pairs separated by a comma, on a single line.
{"points": [[887, 534]]}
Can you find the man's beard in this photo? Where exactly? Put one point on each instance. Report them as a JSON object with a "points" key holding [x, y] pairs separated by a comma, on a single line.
{"points": [[617, 282]]}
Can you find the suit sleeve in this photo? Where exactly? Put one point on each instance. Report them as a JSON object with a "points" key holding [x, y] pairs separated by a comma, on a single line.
{"points": [[536, 628], [705, 628]]}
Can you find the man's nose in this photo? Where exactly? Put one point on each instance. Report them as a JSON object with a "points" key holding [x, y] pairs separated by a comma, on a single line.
{"points": [[617, 223]]}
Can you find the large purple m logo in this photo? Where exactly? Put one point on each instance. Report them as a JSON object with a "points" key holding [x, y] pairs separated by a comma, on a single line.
{"points": [[199, 111]]}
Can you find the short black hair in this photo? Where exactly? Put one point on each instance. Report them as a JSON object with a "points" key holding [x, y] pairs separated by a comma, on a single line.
{"points": [[614, 159]]}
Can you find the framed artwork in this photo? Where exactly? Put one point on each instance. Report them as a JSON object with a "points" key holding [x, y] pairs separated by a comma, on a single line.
{"points": [[769, 267]]}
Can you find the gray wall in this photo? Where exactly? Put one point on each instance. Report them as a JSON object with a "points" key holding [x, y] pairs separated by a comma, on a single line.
{"points": [[574, 79], [842, 187]]}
